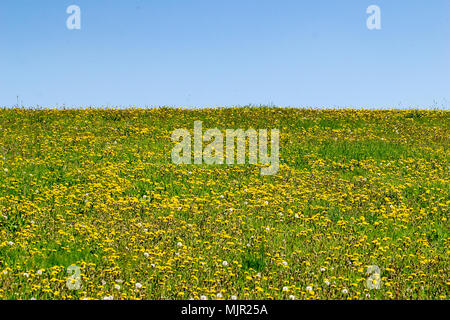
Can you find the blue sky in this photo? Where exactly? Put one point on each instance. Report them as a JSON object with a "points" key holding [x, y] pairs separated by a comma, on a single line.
{"points": [[204, 53]]}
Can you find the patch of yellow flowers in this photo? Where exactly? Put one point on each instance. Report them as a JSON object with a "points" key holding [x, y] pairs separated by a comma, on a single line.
{"points": [[96, 189]]}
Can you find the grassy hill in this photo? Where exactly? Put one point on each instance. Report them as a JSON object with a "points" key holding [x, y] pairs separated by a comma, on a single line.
{"points": [[96, 189]]}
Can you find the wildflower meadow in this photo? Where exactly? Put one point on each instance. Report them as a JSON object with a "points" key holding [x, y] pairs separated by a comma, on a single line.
{"points": [[92, 206]]}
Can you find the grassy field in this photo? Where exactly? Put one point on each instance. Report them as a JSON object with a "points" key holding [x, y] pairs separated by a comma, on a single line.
{"points": [[97, 190]]}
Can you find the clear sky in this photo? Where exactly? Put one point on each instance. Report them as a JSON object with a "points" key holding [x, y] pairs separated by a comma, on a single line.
{"points": [[199, 53]]}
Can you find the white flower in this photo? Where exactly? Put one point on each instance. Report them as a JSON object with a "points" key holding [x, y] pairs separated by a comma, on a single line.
{"points": [[233, 297], [108, 298], [285, 289], [203, 298], [222, 196], [267, 229], [117, 287], [179, 244], [322, 269], [6, 169], [119, 281], [138, 285], [297, 216], [103, 283], [5, 271], [285, 263], [225, 263], [26, 275], [344, 291], [10, 243], [327, 282], [146, 254], [219, 295], [309, 288], [39, 272], [292, 297]]}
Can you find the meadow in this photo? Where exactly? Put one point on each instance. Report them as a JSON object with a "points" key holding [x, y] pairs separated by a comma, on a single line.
{"points": [[96, 189]]}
